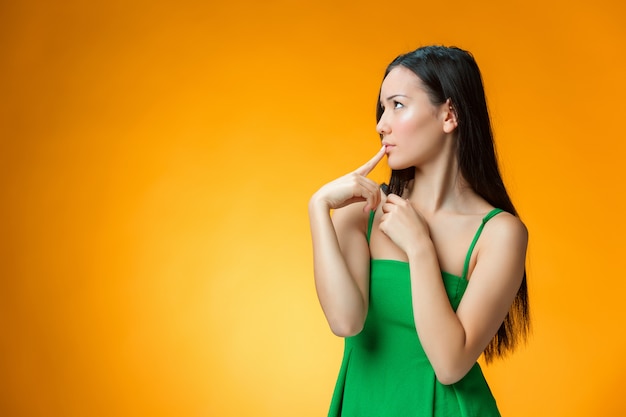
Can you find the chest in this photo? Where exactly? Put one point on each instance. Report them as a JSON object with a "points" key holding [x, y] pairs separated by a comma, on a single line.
{"points": [[451, 236]]}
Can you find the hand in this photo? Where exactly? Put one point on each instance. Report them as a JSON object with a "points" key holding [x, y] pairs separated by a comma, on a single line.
{"points": [[352, 187], [404, 225]]}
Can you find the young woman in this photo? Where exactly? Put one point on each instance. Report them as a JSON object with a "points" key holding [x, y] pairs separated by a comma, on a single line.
{"points": [[424, 278]]}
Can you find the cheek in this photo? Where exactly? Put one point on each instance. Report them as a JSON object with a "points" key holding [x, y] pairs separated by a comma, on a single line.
{"points": [[411, 124]]}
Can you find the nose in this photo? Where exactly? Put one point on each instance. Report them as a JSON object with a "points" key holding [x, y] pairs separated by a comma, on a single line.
{"points": [[382, 127]]}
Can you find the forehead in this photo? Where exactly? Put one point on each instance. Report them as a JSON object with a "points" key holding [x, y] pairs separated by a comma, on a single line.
{"points": [[400, 79]]}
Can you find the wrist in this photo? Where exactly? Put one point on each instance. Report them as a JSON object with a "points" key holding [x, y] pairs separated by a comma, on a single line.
{"points": [[420, 249], [317, 203]]}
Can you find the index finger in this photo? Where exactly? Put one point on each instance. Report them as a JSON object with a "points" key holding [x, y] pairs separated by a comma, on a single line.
{"points": [[369, 165]]}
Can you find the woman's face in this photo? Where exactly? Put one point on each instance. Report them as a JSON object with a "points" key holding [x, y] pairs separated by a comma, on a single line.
{"points": [[412, 128]]}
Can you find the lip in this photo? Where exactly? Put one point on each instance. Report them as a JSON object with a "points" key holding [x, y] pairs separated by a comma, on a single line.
{"points": [[387, 146]]}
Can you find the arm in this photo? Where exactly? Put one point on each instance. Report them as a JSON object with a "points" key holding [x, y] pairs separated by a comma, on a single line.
{"points": [[453, 341], [340, 250], [341, 265]]}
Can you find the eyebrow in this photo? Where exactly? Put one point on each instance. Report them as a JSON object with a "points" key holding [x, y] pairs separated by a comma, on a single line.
{"points": [[394, 96]]}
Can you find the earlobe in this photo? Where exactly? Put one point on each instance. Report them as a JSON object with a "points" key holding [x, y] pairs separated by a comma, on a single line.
{"points": [[450, 121]]}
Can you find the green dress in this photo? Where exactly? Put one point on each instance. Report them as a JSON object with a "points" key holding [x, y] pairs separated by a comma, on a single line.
{"points": [[385, 371]]}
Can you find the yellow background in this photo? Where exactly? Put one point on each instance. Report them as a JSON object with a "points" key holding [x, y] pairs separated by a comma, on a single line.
{"points": [[156, 159]]}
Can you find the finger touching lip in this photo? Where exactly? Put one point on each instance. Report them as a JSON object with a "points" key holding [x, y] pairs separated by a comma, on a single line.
{"points": [[388, 146]]}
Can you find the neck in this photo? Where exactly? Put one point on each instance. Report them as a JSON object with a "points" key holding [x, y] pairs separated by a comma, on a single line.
{"points": [[438, 186]]}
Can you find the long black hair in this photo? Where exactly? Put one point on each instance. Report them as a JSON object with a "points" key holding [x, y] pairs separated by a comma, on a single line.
{"points": [[452, 73]]}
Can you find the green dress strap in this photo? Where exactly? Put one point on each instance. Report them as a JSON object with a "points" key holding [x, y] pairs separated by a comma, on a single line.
{"points": [[488, 217], [370, 222]]}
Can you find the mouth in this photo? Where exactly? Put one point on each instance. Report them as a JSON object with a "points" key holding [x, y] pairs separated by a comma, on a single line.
{"points": [[388, 146]]}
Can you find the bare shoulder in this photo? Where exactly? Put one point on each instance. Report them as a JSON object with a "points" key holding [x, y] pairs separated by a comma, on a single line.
{"points": [[502, 248], [506, 228], [351, 217], [500, 258]]}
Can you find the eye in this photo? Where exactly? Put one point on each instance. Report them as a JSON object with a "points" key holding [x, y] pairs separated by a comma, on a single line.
{"points": [[397, 105]]}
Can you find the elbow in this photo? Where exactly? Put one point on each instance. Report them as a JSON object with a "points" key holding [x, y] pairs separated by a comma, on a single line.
{"points": [[449, 375], [346, 328], [451, 366], [447, 379]]}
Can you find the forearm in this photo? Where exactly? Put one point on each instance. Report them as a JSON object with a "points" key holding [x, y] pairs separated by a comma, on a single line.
{"points": [[440, 331], [341, 299]]}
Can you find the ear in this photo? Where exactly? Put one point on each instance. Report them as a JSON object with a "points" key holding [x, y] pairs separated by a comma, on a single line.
{"points": [[450, 121]]}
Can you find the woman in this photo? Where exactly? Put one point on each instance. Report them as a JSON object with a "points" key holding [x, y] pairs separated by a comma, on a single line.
{"points": [[425, 279]]}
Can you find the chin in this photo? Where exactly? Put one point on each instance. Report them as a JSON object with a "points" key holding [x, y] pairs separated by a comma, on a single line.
{"points": [[398, 166], [399, 162]]}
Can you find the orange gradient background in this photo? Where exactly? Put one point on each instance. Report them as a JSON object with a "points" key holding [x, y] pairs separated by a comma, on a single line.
{"points": [[157, 158]]}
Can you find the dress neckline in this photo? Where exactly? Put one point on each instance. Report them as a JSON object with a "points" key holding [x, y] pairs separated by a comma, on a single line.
{"points": [[463, 277], [397, 261]]}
